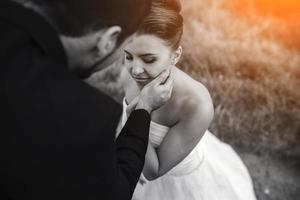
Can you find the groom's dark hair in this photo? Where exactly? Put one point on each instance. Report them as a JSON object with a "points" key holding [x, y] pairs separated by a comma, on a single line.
{"points": [[78, 17]]}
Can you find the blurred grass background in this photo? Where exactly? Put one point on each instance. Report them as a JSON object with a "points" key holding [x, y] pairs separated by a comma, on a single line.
{"points": [[247, 53]]}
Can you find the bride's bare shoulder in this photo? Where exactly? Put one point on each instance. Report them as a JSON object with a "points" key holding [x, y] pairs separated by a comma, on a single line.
{"points": [[195, 96]]}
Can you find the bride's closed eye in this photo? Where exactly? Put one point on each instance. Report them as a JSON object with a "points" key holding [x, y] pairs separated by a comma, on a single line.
{"points": [[146, 58], [149, 60]]}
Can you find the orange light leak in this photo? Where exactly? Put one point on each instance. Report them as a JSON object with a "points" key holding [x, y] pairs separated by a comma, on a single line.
{"points": [[284, 13], [278, 8], [271, 8]]}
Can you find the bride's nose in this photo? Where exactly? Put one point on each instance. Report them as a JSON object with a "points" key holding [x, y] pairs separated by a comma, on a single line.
{"points": [[137, 69]]}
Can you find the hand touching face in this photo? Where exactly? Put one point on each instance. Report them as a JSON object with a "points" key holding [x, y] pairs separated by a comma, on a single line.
{"points": [[146, 56]]}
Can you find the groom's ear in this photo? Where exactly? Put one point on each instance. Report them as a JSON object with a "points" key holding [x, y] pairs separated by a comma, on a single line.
{"points": [[107, 42], [176, 55]]}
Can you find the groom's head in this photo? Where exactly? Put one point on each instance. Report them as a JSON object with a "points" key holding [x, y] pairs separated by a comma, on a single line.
{"points": [[92, 30], [78, 17]]}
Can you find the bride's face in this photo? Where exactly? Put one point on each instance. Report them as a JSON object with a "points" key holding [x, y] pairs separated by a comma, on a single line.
{"points": [[146, 56]]}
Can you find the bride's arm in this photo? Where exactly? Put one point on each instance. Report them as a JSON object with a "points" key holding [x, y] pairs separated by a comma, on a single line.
{"points": [[180, 140]]}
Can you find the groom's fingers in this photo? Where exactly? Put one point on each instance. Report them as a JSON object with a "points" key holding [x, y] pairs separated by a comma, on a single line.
{"points": [[161, 77], [168, 87], [169, 82]]}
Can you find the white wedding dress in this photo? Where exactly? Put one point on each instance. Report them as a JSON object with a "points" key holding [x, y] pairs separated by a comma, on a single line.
{"points": [[212, 171]]}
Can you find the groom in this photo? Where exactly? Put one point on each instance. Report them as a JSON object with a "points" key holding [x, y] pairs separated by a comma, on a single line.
{"points": [[57, 133]]}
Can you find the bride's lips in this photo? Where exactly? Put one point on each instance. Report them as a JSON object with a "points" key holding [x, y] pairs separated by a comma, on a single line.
{"points": [[140, 79]]}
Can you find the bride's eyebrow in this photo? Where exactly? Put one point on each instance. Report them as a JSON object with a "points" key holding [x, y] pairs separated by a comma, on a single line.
{"points": [[147, 54], [127, 52], [141, 55]]}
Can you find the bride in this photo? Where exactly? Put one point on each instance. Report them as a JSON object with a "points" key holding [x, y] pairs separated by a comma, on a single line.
{"points": [[184, 160]]}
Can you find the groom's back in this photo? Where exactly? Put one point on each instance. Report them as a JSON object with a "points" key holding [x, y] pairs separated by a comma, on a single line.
{"points": [[55, 130], [57, 133]]}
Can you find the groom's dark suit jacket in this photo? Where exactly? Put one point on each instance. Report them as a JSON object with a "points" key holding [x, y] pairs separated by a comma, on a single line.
{"points": [[57, 133]]}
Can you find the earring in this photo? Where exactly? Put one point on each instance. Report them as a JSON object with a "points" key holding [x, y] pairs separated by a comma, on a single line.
{"points": [[173, 62]]}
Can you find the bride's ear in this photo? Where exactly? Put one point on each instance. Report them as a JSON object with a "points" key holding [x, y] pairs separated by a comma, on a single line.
{"points": [[107, 42], [176, 55]]}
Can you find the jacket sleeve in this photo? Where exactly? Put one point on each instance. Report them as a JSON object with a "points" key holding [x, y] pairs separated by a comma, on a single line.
{"points": [[131, 146]]}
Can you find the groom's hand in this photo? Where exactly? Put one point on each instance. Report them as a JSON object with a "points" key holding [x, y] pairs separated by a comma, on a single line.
{"points": [[156, 93], [132, 105]]}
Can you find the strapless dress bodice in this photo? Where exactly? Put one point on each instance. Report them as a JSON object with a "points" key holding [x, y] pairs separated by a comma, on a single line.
{"points": [[157, 133]]}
